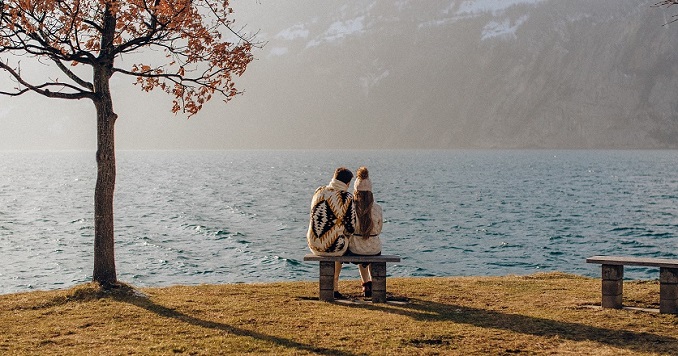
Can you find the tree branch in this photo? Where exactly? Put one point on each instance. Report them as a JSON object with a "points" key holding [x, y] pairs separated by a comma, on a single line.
{"points": [[73, 76], [44, 88]]}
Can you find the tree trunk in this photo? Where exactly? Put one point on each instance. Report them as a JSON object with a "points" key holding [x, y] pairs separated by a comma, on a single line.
{"points": [[104, 240]]}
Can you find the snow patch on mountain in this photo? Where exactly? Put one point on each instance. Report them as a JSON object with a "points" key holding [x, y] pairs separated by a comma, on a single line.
{"points": [[278, 51], [498, 28], [503, 29], [294, 32], [456, 11], [339, 30], [475, 7]]}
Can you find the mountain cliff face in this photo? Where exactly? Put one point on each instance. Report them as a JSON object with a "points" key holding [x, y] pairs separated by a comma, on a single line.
{"points": [[483, 73]]}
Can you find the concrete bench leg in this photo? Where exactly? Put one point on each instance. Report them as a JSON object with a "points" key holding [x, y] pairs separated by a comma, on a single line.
{"points": [[613, 286], [378, 270], [326, 293], [668, 290]]}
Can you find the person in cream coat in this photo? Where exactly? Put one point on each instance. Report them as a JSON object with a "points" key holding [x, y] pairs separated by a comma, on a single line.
{"points": [[369, 221]]}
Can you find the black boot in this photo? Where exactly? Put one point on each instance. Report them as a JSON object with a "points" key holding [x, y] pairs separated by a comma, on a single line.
{"points": [[367, 289]]}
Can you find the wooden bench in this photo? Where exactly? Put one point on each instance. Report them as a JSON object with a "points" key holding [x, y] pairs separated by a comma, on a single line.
{"points": [[613, 278], [378, 270]]}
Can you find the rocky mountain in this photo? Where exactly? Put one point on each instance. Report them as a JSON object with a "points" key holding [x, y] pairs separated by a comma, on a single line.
{"points": [[463, 73]]}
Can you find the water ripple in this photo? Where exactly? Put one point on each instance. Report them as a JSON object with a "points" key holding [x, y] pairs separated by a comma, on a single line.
{"points": [[241, 216]]}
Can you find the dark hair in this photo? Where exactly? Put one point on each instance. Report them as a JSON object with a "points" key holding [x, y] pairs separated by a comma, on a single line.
{"points": [[363, 200], [343, 174]]}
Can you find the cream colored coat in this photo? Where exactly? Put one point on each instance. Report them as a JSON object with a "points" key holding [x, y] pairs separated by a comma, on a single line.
{"points": [[371, 245]]}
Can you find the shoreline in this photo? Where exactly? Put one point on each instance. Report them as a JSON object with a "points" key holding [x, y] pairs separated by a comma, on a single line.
{"points": [[543, 313], [345, 278]]}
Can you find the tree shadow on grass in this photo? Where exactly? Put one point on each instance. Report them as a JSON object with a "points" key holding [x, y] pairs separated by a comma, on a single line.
{"points": [[145, 303], [127, 294], [431, 311]]}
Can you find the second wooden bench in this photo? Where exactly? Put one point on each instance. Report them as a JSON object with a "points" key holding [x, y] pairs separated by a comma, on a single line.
{"points": [[613, 280]]}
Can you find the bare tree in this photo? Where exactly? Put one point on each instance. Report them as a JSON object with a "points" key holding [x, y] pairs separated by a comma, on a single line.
{"points": [[201, 55]]}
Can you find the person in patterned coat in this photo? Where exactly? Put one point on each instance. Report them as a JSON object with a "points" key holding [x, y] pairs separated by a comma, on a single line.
{"points": [[332, 220]]}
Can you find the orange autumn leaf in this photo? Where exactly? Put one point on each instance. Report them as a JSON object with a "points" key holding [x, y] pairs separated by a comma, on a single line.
{"points": [[187, 46]]}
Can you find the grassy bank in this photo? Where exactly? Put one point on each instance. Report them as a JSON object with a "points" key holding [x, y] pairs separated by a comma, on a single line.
{"points": [[538, 314]]}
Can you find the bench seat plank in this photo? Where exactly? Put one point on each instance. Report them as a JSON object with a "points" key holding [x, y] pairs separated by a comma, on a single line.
{"points": [[633, 261], [353, 258]]}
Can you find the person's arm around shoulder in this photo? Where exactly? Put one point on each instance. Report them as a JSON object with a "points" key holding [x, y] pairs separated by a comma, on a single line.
{"points": [[350, 219]]}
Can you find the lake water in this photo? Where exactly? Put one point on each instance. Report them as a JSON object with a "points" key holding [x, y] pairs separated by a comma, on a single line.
{"points": [[241, 216]]}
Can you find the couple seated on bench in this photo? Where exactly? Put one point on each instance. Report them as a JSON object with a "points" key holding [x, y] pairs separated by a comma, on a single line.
{"points": [[346, 224]]}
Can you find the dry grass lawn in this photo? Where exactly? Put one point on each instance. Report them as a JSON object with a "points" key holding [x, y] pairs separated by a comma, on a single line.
{"points": [[528, 315]]}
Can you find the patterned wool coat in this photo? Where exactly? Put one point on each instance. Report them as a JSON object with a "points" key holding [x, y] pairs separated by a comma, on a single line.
{"points": [[332, 220]]}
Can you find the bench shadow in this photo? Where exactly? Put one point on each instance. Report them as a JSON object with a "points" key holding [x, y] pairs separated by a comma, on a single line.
{"points": [[145, 303], [432, 311]]}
